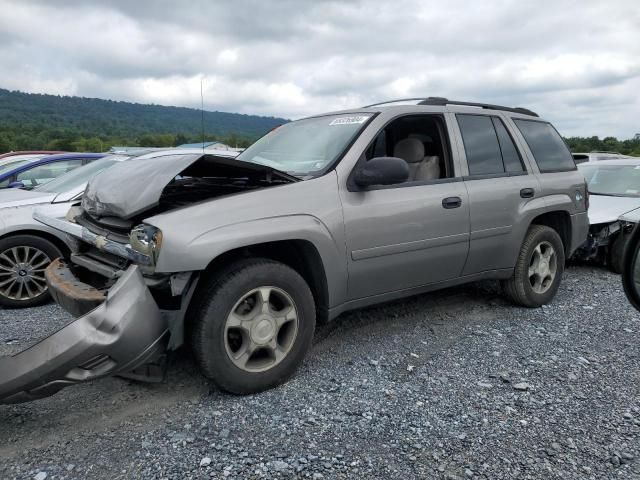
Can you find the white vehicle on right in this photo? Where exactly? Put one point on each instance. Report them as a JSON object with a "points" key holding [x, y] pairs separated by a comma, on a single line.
{"points": [[598, 157], [614, 201]]}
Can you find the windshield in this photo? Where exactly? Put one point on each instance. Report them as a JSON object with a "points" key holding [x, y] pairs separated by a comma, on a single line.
{"points": [[79, 176], [614, 180], [6, 167], [306, 147], [20, 158]]}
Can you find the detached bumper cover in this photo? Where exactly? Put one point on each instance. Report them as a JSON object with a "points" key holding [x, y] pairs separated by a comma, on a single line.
{"points": [[123, 332]]}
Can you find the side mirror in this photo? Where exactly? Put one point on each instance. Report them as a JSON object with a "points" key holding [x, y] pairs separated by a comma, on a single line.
{"points": [[631, 268], [382, 171], [16, 185]]}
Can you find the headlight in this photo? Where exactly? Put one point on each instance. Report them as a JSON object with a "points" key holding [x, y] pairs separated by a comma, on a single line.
{"points": [[146, 239]]}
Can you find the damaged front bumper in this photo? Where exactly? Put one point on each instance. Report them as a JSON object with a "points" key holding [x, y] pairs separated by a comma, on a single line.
{"points": [[600, 238], [117, 332]]}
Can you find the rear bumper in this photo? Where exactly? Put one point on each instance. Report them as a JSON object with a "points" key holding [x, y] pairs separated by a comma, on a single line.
{"points": [[125, 330]]}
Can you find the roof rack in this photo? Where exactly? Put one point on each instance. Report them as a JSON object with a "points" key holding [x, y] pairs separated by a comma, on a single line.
{"points": [[394, 101], [444, 101]]}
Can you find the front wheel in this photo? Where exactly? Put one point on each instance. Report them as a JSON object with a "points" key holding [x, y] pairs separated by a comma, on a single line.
{"points": [[538, 271], [254, 325], [23, 259]]}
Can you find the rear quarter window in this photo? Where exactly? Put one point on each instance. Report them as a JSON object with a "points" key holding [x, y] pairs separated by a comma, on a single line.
{"points": [[548, 149]]}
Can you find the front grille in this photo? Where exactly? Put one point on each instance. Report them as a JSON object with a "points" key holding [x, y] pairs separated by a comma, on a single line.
{"points": [[105, 257], [118, 234]]}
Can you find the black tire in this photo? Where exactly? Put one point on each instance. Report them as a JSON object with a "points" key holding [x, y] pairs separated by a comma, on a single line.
{"points": [[216, 298], [614, 256], [519, 288], [45, 246]]}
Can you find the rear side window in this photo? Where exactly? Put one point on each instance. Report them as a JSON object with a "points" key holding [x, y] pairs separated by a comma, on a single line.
{"points": [[489, 147], [480, 144], [549, 150], [510, 154]]}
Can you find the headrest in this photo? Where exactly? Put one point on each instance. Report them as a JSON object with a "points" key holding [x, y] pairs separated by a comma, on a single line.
{"points": [[409, 149]]}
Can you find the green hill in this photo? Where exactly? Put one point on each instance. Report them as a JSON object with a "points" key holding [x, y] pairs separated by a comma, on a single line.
{"points": [[30, 121], [35, 121]]}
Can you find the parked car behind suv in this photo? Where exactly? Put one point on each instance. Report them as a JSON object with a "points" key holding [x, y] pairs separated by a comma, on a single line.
{"points": [[28, 246], [614, 187], [240, 258], [598, 157], [31, 171]]}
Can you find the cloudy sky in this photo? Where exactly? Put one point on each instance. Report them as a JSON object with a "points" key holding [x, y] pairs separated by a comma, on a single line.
{"points": [[575, 62]]}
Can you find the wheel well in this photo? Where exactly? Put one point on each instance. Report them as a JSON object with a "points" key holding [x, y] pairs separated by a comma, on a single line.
{"points": [[301, 255], [63, 247], [560, 221]]}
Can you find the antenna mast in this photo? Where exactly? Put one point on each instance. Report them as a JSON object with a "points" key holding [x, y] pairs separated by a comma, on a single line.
{"points": [[202, 112]]}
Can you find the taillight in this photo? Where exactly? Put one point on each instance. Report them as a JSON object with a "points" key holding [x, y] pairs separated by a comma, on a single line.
{"points": [[586, 196]]}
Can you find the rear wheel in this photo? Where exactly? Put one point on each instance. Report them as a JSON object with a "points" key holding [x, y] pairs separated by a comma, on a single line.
{"points": [[23, 259], [539, 268], [254, 325]]}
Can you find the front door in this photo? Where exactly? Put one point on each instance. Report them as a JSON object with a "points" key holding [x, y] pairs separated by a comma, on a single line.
{"points": [[412, 234]]}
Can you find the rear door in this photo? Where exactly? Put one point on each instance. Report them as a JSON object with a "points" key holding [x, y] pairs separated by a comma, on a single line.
{"points": [[498, 184]]}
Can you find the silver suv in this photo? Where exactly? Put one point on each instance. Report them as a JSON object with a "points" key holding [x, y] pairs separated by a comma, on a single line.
{"points": [[241, 258]]}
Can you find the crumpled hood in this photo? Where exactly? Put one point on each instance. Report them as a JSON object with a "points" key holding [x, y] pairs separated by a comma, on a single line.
{"points": [[605, 209], [129, 188], [16, 197]]}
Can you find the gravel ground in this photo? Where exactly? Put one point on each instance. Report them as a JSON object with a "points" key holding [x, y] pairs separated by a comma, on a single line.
{"points": [[453, 384]]}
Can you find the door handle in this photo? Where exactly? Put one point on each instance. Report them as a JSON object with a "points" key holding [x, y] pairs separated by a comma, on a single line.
{"points": [[451, 202], [527, 193]]}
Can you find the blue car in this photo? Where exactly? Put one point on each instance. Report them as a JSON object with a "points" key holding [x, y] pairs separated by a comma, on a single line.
{"points": [[29, 173]]}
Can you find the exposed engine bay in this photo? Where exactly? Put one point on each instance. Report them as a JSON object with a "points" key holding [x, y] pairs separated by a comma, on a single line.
{"points": [[196, 183]]}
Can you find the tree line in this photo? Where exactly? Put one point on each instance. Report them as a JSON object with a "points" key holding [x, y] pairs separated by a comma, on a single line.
{"points": [[34, 138], [607, 144], [70, 141], [31, 121]]}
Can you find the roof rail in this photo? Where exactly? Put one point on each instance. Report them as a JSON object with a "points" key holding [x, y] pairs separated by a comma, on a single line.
{"points": [[444, 101], [394, 101]]}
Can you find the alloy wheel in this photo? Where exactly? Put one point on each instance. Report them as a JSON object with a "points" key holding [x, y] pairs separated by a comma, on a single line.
{"points": [[261, 329], [542, 267], [22, 272]]}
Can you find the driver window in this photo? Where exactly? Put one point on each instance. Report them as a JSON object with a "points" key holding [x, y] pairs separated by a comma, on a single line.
{"points": [[421, 141]]}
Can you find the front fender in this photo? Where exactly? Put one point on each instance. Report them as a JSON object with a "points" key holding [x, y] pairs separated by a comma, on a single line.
{"points": [[199, 252], [18, 220]]}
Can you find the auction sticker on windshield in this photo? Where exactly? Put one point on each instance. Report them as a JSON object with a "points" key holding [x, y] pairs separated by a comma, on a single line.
{"points": [[350, 120]]}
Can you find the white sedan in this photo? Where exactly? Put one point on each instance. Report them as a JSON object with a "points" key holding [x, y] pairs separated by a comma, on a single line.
{"points": [[614, 197], [28, 246]]}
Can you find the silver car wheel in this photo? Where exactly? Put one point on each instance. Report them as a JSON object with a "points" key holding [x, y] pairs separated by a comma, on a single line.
{"points": [[261, 329], [22, 272], [542, 267]]}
